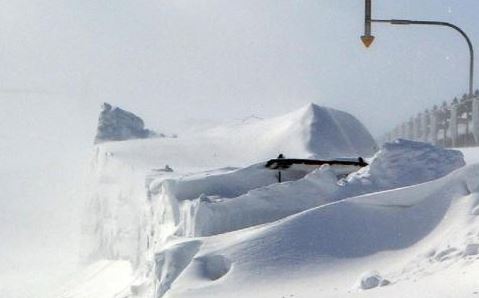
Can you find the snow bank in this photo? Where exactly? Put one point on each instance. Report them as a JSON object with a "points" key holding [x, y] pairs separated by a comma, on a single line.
{"points": [[130, 197], [403, 162], [263, 204], [301, 134], [135, 211], [328, 248], [253, 226], [396, 165], [312, 131]]}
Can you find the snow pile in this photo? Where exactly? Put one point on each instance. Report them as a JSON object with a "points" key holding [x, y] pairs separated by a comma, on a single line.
{"points": [[217, 214], [327, 249], [116, 124], [403, 162], [299, 134], [312, 131], [256, 231], [254, 198]]}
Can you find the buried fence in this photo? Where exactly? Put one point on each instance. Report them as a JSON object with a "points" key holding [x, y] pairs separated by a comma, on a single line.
{"points": [[449, 125]]}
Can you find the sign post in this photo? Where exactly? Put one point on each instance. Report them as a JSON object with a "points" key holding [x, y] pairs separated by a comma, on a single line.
{"points": [[367, 38]]}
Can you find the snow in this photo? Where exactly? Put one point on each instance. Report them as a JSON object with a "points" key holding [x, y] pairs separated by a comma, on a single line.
{"points": [[102, 279], [220, 225], [403, 162], [332, 246], [471, 155], [371, 280], [302, 133]]}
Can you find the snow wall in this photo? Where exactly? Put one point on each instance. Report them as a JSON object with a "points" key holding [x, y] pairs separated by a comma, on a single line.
{"points": [[136, 210]]}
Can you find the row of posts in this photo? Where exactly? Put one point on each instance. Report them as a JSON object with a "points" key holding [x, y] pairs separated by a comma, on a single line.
{"points": [[449, 125]]}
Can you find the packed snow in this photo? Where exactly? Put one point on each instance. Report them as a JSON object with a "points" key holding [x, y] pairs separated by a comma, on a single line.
{"points": [[201, 215]]}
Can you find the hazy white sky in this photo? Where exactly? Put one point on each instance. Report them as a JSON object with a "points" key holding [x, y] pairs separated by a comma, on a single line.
{"points": [[177, 62]]}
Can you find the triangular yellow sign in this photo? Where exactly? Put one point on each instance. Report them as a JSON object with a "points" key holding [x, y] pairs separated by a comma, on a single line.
{"points": [[367, 40]]}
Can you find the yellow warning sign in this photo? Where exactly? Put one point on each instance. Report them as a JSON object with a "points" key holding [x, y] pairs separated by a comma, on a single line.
{"points": [[367, 40]]}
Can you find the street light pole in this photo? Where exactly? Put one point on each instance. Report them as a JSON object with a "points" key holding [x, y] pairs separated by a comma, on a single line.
{"points": [[369, 20]]}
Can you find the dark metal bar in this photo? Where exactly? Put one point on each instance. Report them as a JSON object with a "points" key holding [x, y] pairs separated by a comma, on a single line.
{"points": [[287, 162]]}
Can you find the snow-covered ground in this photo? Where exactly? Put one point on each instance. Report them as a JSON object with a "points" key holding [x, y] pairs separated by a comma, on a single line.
{"points": [[220, 225]]}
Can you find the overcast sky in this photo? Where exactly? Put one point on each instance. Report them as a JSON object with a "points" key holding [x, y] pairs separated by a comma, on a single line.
{"points": [[180, 62]]}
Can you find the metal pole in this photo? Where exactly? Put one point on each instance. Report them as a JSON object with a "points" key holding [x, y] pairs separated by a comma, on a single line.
{"points": [[367, 20], [367, 38], [469, 43]]}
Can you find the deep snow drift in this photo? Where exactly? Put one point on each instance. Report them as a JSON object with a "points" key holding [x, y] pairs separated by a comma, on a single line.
{"points": [[115, 219], [204, 229], [405, 235]]}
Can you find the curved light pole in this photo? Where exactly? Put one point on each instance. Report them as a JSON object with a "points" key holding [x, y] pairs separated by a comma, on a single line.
{"points": [[367, 38]]}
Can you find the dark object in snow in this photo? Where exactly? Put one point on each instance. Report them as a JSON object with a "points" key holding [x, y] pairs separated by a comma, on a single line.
{"points": [[285, 163], [167, 169], [115, 124], [342, 167]]}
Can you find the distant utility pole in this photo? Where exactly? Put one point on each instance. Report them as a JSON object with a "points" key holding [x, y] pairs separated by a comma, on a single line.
{"points": [[368, 38]]}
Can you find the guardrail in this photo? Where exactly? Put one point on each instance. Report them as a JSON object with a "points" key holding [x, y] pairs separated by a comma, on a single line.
{"points": [[449, 125]]}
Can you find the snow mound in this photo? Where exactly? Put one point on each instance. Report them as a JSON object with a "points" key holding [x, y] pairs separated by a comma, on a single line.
{"points": [[303, 133], [328, 247], [263, 204], [136, 211], [312, 131], [403, 162], [335, 133], [250, 196], [116, 124], [208, 228]]}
